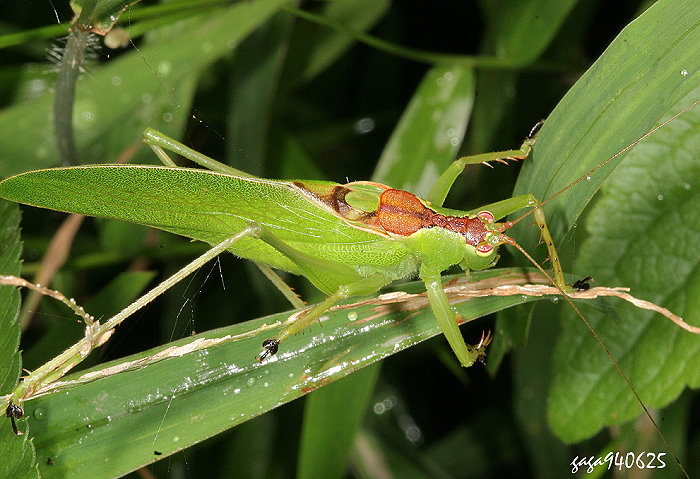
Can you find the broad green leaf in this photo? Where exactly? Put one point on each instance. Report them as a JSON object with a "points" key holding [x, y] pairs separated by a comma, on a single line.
{"points": [[620, 98], [17, 451], [159, 408], [526, 29], [646, 221], [614, 103]]}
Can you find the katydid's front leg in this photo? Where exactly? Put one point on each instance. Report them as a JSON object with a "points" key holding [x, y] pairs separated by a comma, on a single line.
{"points": [[442, 186], [447, 320], [511, 205]]}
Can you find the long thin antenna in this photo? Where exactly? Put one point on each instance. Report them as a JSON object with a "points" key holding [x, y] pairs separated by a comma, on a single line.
{"points": [[513, 243], [601, 165]]}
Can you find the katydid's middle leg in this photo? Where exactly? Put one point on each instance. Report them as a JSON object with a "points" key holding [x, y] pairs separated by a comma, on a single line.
{"points": [[306, 318]]}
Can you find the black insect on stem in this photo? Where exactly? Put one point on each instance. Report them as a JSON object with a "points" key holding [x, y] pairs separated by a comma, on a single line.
{"points": [[582, 284], [14, 411]]}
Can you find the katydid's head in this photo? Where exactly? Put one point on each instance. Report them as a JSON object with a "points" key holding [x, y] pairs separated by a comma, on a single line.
{"points": [[490, 235]]}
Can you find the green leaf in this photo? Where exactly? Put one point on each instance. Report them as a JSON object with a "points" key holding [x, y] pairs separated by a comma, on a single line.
{"points": [[17, 451], [612, 105], [431, 129], [162, 407], [647, 223], [643, 73], [252, 91], [525, 30]]}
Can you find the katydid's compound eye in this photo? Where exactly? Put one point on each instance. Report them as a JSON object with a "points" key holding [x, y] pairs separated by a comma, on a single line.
{"points": [[485, 216], [484, 249]]}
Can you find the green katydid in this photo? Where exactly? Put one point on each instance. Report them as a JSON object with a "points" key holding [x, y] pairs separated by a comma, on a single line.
{"points": [[346, 239]]}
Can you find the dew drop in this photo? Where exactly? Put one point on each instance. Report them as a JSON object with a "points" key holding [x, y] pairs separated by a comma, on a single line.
{"points": [[164, 68], [364, 126], [39, 413], [37, 87], [684, 72], [116, 80], [167, 117], [352, 316], [588, 178], [660, 197], [686, 186]]}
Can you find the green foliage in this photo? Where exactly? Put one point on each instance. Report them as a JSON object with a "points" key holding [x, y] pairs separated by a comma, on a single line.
{"points": [[277, 95]]}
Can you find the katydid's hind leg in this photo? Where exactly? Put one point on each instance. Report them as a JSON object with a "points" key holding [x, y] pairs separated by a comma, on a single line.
{"points": [[442, 186], [160, 142], [447, 320], [306, 318]]}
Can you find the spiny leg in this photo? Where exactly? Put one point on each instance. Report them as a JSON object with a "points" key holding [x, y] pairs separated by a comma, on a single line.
{"points": [[442, 186]]}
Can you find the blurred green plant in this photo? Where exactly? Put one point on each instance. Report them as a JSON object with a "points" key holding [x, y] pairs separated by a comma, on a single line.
{"points": [[291, 91]]}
